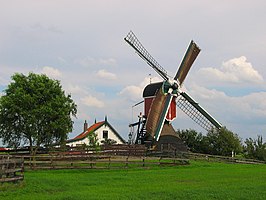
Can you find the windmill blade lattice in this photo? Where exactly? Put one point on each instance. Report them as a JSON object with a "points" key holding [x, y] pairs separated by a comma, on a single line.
{"points": [[196, 112], [167, 92], [133, 41]]}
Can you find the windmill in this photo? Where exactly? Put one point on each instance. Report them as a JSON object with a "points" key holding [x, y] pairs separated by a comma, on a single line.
{"points": [[161, 99]]}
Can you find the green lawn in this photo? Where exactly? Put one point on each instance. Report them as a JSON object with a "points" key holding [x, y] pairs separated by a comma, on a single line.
{"points": [[199, 180]]}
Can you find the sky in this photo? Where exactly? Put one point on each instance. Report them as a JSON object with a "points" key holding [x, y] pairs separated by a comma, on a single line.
{"points": [[80, 43]]}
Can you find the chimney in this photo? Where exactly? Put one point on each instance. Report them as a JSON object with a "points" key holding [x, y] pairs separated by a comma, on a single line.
{"points": [[85, 126]]}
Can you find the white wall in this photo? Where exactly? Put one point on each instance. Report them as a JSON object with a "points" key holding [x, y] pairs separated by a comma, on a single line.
{"points": [[99, 133]]}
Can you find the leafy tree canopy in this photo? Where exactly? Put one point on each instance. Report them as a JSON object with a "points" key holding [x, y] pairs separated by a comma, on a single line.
{"points": [[224, 142], [192, 139], [34, 111], [255, 148], [108, 141], [217, 141]]}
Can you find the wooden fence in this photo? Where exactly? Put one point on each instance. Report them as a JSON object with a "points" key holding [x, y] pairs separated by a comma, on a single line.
{"points": [[109, 156], [216, 158], [120, 149], [96, 162], [125, 150], [11, 169]]}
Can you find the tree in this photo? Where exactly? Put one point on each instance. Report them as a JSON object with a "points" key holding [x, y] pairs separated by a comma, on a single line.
{"points": [[255, 148], [217, 141], [223, 142], [196, 142], [192, 139], [94, 141], [108, 141], [35, 111], [250, 148]]}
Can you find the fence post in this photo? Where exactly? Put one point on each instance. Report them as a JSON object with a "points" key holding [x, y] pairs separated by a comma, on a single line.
{"points": [[9, 166], [126, 162], [160, 160], [109, 163], [71, 161]]}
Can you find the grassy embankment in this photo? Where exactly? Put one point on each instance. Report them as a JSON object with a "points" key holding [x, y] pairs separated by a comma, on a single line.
{"points": [[199, 180]]}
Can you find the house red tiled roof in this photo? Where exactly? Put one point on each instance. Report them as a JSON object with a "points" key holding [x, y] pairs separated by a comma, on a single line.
{"points": [[88, 131], [93, 128]]}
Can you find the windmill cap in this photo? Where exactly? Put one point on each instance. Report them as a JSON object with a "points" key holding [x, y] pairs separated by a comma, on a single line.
{"points": [[150, 90]]}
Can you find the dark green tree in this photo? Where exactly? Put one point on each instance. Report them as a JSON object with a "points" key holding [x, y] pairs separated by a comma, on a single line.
{"points": [[35, 111], [217, 141], [223, 142], [250, 148], [108, 141], [196, 142], [94, 141], [191, 138], [255, 148]]}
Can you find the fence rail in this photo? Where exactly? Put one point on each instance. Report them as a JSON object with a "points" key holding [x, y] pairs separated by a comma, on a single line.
{"points": [[97, 162], [120, 149], [216, 158], [86, 157], [11, 169]]}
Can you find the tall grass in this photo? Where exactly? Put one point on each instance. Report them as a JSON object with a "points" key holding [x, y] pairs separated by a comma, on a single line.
{"points": [[200, 180]]}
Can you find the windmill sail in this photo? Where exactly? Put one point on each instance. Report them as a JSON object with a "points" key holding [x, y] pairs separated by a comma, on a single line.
{"points": [[196, 112], [158, 108], [190, 56], [157, 114], [133, 41]]}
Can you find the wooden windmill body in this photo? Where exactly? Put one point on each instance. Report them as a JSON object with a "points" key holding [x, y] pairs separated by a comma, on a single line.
{"points": [[162, 98]]}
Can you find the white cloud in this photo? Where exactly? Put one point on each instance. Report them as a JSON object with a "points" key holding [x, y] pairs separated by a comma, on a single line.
{"points": [[243, 114], [8, 71], [105, 74], [134, 92], [89, 62], [109, 61], [148, 80], [236, 70], [253, 103], [51, 72], [242, 110], [206, 94], [75, 89], [92, 102]]}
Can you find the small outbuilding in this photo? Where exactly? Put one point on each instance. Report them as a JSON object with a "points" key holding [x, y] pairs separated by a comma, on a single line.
{"points": [[103, 130]]}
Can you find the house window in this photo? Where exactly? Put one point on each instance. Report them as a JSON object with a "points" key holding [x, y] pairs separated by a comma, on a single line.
{"points": [[105, 134]]}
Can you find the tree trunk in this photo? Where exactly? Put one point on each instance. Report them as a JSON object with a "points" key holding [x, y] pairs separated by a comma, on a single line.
{"points": [[33, 152]]}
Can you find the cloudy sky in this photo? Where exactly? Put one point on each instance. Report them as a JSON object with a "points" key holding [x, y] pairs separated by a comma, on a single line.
{"points": [[80, 43]]}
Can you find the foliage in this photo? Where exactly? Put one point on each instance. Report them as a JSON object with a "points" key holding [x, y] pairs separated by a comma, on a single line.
{"points": [[194, 140], [108, 141], [217, 141], [94, 141], [223, 142], [200, 180], [255, 148], [35, 111]]}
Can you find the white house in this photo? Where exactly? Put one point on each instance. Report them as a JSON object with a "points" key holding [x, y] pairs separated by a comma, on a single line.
{"points": [[103, 131]]}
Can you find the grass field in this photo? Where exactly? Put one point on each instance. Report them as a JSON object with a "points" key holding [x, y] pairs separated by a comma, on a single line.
{"points": [[199, 180]]}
